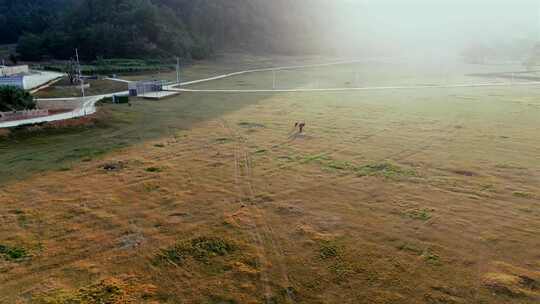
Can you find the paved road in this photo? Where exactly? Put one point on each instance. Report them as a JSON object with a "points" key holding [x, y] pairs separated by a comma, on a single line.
{"points": [[88, 107]]}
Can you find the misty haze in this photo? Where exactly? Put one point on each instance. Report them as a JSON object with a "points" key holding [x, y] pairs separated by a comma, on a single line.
{"points": [[255, 151]]}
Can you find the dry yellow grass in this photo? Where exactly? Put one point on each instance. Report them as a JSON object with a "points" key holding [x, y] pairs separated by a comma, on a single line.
{"points": [[387, 198]]}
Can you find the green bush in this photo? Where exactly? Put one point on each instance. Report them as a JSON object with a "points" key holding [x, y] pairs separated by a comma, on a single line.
{"points": [[15, 99], [12, 253], [201, 249]]}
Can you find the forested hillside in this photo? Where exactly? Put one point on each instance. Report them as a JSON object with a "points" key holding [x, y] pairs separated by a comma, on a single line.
{"points": [[139, 28]]}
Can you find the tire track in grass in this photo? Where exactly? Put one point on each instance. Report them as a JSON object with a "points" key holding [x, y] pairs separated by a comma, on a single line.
{"points": [[256, 237], [262, 224], [276, 248]]}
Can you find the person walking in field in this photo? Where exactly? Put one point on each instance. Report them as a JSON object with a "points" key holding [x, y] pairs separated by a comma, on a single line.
{"points": [[298, 129], [301, 127]]}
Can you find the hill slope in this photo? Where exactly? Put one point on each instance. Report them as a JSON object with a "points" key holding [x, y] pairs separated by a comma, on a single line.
{"points": [[135, 28]]}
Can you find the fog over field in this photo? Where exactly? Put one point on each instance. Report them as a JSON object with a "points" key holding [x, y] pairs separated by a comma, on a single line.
{"points": [[199, 28], [270, 151], [441, 26]]}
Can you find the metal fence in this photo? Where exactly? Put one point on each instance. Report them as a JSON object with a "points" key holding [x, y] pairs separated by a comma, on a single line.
{"points": [[16, 81]]}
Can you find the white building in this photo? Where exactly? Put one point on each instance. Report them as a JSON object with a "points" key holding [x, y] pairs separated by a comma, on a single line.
{"points": [[22, 77]]}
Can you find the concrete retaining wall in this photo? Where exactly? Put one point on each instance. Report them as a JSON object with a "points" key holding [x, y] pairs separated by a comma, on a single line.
{"points": [[38, 79], [60, 104], [13, 70], [88, 107], [16, 115]]}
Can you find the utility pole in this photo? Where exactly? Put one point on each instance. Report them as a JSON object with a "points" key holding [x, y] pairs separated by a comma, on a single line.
{"points": [[274, 79], [79, 71], [178, 70]]}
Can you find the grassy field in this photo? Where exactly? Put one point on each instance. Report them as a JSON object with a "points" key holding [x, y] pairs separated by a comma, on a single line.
{"points": [[116, 66], [417, 196], [63, 88], [227, 63]]}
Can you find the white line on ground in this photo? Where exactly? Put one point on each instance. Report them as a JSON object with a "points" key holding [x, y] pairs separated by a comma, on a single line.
{"points": [[381, 88]]}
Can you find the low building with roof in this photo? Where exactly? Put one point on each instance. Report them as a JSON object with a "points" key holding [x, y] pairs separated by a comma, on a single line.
{"points": [[21, 76]]}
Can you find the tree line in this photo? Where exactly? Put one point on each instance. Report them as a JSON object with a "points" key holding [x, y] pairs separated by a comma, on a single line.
{"points": [[52, 29]]}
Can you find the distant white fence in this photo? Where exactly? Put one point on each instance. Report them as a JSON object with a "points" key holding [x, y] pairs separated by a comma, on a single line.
{"points": [[60, 103]]}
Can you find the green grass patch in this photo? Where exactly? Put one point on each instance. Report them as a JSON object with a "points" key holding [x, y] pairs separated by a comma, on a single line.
{"points": [[112, 66], [522, 194], [64, 168], [411, 248], [315, 158], [86, 154], [427, 254], [341, 271], [251, 125], [328, 250], [431, 258], [422, 214], [63, 88], [201, 249], [101, 293], [10, 253], [153, 170], [339, 165], [384, 169], [333, 254], [223, 140]]}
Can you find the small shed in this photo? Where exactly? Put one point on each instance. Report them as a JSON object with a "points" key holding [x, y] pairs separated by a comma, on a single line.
{"points": [[140, 88]]}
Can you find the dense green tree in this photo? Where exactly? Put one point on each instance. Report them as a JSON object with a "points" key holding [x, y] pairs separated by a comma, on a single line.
{"points": [[31, 46], [34, 16], [142, 28], [15, 99]]}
